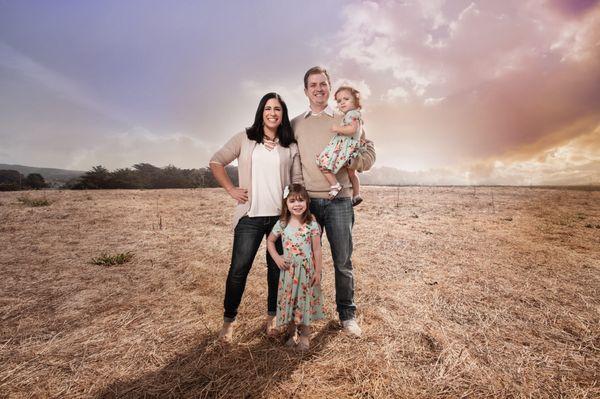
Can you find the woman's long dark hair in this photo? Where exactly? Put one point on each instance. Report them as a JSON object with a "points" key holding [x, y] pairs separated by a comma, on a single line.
{"points": [[284, 130]]}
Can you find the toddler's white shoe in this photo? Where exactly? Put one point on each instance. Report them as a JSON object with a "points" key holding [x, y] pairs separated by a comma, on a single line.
{"points": [[334, 190]]}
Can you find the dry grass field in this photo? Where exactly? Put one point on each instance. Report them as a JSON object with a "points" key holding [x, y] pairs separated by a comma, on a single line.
{"points": [[462, 292]]}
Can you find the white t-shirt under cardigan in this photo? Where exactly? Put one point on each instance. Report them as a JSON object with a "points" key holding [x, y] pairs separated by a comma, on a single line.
{"points": [[266, 182]]}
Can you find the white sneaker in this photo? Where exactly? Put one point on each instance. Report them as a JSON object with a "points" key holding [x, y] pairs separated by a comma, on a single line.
{"points": [[351, 327]]}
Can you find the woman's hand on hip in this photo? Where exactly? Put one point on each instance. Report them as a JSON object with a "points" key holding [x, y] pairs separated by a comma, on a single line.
{"points": [[238, 194]]}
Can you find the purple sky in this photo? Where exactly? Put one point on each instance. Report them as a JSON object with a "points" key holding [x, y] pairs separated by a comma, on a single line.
{"points": [[478, 92]]}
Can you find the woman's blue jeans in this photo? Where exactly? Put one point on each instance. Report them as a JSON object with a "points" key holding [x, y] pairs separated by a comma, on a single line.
{"points": [[249, 233]]}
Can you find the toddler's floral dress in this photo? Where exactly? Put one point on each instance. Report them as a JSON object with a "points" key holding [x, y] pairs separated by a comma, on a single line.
{"points": [[341, 148]]}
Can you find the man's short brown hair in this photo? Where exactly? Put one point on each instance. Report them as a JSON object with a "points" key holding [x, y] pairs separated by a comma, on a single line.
{"points": [[315, 71]]}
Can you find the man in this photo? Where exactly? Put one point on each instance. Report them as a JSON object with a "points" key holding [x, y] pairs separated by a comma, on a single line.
{"points": [[336, 216]]}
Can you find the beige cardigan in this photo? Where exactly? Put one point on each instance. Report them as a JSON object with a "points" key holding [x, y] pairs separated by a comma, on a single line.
{"points": [[241, 147]]}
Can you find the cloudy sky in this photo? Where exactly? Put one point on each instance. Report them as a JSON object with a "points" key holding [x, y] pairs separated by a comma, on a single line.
{"points": [[461, 91]]}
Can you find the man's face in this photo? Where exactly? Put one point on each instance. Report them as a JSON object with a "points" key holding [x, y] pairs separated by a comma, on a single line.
{"points": [[318, 90]]}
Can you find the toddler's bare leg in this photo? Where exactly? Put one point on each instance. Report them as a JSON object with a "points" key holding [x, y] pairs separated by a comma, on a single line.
{"points": [[330, 177], [356, 198], [353, 175], [334, 186]]}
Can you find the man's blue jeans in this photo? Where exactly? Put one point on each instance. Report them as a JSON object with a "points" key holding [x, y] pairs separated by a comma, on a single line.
{"points": [[249, 233], [337, 218]]}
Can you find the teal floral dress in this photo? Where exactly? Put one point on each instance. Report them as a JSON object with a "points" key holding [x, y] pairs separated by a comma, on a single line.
{"points": [[341, 148], [297, 301]]}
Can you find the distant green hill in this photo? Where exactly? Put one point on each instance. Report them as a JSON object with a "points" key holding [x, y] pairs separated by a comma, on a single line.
{"points": [[51, 175]]}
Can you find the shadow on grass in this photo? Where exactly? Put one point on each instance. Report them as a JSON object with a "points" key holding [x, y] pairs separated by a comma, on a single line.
{"points": [[212, 370]]}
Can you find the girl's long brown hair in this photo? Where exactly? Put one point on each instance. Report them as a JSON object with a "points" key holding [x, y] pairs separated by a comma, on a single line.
{"points": [[297, 191]]}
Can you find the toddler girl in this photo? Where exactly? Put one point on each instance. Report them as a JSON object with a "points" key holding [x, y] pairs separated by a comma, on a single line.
{"points": [[344, 145], [299, 297]]}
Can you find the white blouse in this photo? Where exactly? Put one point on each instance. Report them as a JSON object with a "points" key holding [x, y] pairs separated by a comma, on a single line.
{"points": [[266, 182]]}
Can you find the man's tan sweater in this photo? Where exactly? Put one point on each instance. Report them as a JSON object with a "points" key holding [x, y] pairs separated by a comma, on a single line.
{"points": [[313, 133]]}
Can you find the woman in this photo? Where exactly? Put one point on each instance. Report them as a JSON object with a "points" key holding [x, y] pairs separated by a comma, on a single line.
{"points": [[268, 160]]}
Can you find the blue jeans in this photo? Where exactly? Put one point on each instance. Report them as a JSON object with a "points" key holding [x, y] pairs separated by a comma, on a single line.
{"points": [[337, 218], [247, 237]]}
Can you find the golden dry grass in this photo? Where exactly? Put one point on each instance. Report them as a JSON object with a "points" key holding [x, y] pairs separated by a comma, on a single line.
{"points": [[457, 296]]}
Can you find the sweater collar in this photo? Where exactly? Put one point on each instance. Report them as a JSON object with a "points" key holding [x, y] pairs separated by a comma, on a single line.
{"points": [[327, 111]]}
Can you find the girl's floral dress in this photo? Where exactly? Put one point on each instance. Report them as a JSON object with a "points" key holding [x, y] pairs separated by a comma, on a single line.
{"points": [[297, 301], [341, 148]]}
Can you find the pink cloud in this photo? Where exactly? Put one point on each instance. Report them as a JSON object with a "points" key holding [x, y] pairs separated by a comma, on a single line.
{"points": [[573, 7], [456, 82]]}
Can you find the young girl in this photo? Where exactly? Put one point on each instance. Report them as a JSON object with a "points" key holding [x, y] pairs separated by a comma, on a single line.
{"points": [[299, 297], [344, 145]]}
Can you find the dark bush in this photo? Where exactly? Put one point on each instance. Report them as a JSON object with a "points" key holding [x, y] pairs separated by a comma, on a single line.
{"points": [[35, 181], [11, 180]]}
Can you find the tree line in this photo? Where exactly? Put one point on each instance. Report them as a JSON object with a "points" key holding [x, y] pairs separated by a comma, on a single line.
{"points": [[12, 180], [140, 176]]}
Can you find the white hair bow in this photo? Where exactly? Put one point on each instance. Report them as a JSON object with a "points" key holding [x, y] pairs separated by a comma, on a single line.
{"points": [[286, 191]]}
